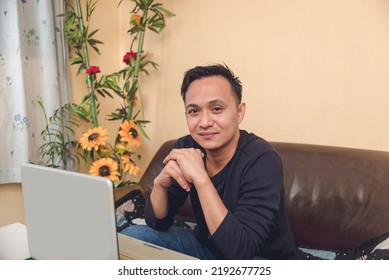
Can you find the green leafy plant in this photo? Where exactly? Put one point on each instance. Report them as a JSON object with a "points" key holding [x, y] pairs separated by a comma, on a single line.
{"points": [[112, 160], [58, 150]]}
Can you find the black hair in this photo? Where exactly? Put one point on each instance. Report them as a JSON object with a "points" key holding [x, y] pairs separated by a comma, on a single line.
{"points": [[200, 72]]}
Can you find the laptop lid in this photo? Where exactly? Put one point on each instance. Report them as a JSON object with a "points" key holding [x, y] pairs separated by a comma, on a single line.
{"points": [[69, 215]]}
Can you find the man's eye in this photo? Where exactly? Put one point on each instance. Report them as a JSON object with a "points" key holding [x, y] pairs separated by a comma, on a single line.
{"points": [[217, 109], [193, 111]]}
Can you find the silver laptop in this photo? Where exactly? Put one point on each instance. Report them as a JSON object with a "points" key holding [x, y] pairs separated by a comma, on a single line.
{"points": [[71, 215]]}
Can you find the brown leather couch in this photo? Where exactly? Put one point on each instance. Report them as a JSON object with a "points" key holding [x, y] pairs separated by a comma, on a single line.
{"points": [[336, 198]]}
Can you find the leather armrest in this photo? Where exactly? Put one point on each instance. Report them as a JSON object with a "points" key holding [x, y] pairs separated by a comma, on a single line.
{"points": [[122, 191]]}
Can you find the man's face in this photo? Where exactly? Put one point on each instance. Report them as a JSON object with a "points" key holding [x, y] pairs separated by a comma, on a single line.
{"points": [[213, 114]]}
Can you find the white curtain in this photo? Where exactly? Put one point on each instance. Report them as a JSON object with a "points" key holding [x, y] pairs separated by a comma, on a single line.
{"points": [[32, 67]]}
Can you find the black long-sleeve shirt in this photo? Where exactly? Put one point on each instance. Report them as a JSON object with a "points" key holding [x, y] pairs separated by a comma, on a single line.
{"points": [[251, 187]]}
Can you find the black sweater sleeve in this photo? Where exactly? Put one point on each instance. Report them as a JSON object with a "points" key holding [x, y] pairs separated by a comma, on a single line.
{"points": [[244, 232], [176, 198]]}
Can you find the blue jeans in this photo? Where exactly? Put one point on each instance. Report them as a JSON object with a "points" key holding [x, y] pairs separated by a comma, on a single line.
{"points": [[178, 239]]}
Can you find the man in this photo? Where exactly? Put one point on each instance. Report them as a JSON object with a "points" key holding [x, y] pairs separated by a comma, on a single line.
{"points": [[235, 180]]}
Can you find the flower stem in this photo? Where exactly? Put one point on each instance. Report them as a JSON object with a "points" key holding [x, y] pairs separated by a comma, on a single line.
{"points": [[89, 78], [137, 63]]}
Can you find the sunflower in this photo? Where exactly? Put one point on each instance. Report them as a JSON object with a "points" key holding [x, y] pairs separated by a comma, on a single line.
{"points": [[93, 138], [122, 148], [129, 133], [105, 167], [129, 166], [105, 150]]}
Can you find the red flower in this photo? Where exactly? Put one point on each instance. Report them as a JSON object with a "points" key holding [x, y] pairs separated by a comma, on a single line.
{"points": [[127, 57], [93, 70]]}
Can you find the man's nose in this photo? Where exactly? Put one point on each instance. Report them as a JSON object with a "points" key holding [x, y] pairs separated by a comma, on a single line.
{"points": [[206, 119]]}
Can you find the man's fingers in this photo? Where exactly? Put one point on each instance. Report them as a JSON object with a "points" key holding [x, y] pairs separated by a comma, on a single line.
{"points": [[173, 170], [178, 154]]}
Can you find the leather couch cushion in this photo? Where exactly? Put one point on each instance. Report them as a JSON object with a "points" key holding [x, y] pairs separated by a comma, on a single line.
{"points": [[335, 197]]}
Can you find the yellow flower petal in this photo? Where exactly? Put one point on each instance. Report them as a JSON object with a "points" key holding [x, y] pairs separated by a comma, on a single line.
{"points": [[93, 138], [129, 166], [129, 133], [105, 167]]}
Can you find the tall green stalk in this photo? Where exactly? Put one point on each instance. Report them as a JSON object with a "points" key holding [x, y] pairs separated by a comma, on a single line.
{"points": [[90, 79], [137, 64]]}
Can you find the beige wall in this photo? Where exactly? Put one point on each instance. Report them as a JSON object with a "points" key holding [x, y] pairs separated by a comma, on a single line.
{"points": [[313, 71], [11, 204]]}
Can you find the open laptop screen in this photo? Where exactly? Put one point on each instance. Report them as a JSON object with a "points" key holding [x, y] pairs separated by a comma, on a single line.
{"points": [[69, 215]]}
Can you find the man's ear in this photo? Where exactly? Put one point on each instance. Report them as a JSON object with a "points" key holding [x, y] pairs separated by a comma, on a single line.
{"points": [[241, 111]]}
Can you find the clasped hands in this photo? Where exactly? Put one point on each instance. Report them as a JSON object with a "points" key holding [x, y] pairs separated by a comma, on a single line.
{"points": [[185, 166]]}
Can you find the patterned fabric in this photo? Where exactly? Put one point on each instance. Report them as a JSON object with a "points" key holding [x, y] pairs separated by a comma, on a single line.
{"points": [[130, 211], [374, 249], [32, 67]]}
